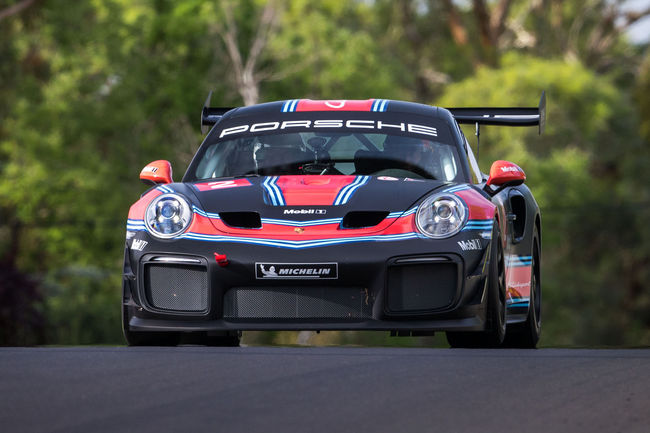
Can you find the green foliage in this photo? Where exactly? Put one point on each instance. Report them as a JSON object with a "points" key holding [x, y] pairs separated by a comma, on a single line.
{"points": [[83, 306], [323, 52]]}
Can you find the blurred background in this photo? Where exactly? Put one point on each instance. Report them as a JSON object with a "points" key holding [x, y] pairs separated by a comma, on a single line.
{"points": [[93, 90]]}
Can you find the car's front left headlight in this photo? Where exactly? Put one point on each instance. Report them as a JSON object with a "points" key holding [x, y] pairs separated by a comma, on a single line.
{"points": [[441, 215], [168, 215]]}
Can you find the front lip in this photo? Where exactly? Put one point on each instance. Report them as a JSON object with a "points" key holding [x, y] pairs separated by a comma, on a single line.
{"points": [[370, 272]]}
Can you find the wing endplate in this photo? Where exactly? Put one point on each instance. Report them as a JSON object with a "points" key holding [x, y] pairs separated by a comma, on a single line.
{"points": [[211, 115]]}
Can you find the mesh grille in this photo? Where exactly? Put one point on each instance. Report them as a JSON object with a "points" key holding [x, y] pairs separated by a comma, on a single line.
{"points": [[176, 287], [421, 287], [296, 303]]}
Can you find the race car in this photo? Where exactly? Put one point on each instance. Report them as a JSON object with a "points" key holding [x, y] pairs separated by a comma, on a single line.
{"points": [[336, 215]]}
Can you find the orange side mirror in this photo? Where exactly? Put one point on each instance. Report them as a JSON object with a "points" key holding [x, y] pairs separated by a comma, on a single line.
{"points": [[505, 173], [157, 172]]}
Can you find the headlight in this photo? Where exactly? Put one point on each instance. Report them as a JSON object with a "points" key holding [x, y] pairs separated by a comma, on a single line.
{"points": [[168, 215], [441, 215]]}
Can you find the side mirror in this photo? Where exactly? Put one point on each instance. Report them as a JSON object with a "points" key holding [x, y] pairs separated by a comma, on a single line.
{"points": [[157, 172], [504, 174]]}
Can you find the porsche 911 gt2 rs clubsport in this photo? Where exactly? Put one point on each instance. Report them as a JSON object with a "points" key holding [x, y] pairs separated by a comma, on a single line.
{"points": [[336, 215]]}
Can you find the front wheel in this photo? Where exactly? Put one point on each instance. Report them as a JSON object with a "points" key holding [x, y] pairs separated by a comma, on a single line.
{"points": [[495, 333]]}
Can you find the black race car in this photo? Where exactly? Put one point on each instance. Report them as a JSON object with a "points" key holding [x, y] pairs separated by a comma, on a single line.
{"points": [[336, 215]]}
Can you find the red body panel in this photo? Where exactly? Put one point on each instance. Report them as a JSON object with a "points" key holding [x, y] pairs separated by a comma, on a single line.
{"points": [[312, 190], [479, 207], [203, 225], [137, 210]]}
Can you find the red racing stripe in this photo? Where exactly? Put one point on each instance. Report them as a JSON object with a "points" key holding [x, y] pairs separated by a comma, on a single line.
{"points": [[299, 190], [334, 105]]}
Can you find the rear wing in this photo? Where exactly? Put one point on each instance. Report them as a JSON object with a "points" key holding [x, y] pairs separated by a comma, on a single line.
{"points": [[504, 116], [211, 115]]}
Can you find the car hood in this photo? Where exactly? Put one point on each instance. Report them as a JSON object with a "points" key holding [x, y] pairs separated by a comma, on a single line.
{"points": [[292, 205]]}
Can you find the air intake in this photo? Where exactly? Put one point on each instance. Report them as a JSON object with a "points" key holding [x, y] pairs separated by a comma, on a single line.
{"points": [[421, 287], [176, 287], [363, 219], [241, 220], [297, 303]]}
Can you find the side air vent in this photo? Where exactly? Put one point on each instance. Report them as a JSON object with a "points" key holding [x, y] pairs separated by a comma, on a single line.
{"points": [[362, 219], [241, 220], [518, 206]]}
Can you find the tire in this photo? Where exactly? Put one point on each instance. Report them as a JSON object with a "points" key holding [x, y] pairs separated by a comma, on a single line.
{"points": [[526, 335], [495, 331], [147, 338]]}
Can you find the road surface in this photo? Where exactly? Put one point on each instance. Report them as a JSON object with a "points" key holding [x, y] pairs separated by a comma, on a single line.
{"points": [[327, 389]]}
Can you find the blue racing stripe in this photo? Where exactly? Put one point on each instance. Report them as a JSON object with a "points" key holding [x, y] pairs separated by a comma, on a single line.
{"points": [[516, 261], [402, 214], [274, 193], [346, 193], [351, 191], [269, 191], [376, 105], [301, 223], [342, 192], [278, 191], [518, 304], [299, 244], [456, 188], [478, 225], [165, 189], [289, 106], [205, 214]]}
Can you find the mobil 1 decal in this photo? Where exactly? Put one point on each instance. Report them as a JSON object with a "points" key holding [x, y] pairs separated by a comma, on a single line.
{"points": [[321, 271]]}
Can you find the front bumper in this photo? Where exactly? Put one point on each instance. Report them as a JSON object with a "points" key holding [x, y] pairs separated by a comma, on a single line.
{"points": [[411, 285]]}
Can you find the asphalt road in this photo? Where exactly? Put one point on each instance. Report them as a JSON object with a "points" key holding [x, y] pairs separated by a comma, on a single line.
{"points": [[346, 389]]}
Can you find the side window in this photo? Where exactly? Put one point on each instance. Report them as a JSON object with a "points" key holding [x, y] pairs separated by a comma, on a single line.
{"points": [[209, 163], [447, 163]]}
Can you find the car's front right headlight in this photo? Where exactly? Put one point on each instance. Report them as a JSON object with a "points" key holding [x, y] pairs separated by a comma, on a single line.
{"points": [[168, 216], [441, 216]]}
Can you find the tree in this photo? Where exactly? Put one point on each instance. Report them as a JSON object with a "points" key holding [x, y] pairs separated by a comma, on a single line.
{"points": [[247, 77], [15, 8]]}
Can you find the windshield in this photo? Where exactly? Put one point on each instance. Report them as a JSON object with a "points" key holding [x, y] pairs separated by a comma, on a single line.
{"points": [[288, 152]]}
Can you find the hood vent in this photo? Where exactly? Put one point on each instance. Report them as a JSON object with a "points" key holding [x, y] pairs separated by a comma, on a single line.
{"points": [[363, 219], [241, 220]]}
